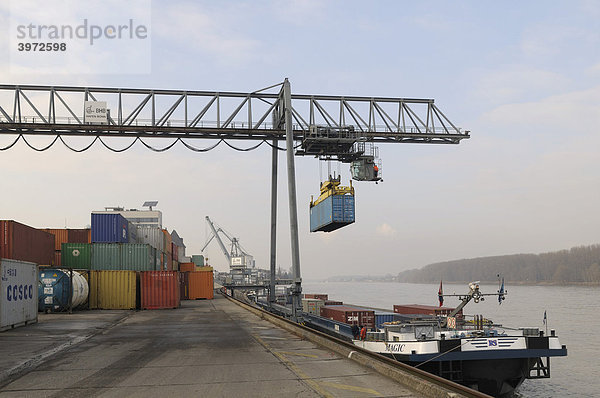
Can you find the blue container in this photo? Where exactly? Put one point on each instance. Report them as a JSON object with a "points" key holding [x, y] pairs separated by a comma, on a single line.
{"points": [[332, 213], [382, 317], [109, 228]]}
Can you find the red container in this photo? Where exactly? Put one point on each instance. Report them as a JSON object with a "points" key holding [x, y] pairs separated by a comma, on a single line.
{"points": [[333, 302], [412, 309], [349, 315], [184, 287], [174, 251], [201, 285], [323, 297], [159, 289], [187, 267], [69, 236], [21, 242]]}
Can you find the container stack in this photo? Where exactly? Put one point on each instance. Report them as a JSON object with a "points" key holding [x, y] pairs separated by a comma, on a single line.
{"points": [[350, 315], [67, 236]]}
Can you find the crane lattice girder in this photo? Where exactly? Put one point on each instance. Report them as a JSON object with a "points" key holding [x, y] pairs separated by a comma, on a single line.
{"points": [[54, 110]]}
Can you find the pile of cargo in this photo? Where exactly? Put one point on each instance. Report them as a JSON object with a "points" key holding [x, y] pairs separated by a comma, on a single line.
{"points": [[115, 264], [320, 305]]}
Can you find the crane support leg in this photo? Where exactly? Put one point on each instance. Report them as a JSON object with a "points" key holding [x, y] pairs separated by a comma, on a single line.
{"points": [[273, 222], [291, 171]]}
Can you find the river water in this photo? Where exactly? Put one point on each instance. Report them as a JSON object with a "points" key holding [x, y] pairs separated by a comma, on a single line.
{"points": [[571, 311]]}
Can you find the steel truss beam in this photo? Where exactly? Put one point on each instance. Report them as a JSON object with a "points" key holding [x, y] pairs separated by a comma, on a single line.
{"points": [[58, 110]]}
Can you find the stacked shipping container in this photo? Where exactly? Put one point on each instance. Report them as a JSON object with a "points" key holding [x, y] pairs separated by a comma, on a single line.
{"points": [[21, 242], [159, 289]]}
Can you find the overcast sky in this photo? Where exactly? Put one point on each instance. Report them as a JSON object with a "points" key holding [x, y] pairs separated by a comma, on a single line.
{"points": [[523, 77]]}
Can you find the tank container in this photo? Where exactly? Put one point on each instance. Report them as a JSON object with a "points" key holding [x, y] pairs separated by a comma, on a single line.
{"points": [[109, 228], [334, 212], [19, 293], [113, 290], [22, 242], [57, 293], [76, 255], [159, 289]]}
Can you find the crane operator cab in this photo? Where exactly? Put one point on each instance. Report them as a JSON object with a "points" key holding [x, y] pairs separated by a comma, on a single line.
{"points": [[366, 169]]}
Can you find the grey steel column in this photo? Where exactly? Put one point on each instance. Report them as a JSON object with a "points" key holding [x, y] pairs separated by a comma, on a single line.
{"points": [[289, 139], [273, 222]]}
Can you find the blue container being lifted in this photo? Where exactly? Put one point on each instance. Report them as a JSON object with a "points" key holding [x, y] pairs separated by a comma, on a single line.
{"points": [[334, 208], [57, 293], [109, 228]]}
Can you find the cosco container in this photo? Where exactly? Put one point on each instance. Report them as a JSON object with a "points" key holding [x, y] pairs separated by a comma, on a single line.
{"points": [[201, 284], [152, 236], [59, 290], [332, 213], [109, 228], [76, 255], [138, 257], [18, 298], [106, 256], [113, 290], [22, 242], [349, 315], [159, 289]]}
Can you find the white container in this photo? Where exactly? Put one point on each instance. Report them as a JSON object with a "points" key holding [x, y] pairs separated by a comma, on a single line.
{"points": [[152, 236], [19, 293]]}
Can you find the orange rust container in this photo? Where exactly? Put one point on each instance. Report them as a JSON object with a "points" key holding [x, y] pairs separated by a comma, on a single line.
{"points": [[69, 236], [201, 285], [187, 267], [159, 289]]}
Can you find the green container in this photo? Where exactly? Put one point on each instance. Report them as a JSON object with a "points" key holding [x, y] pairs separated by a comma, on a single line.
{"points": [[106, 256], [76, 255], [138, 257], [198, 259]]}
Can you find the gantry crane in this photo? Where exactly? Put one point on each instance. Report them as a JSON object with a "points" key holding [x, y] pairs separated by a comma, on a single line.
{"points": [[325, 126], [240, 262]]}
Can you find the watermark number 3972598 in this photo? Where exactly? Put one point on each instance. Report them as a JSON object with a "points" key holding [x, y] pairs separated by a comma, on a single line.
{"points": [[26, 46]]}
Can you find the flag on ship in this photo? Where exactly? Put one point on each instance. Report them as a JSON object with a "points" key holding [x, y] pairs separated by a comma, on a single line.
{"points": [[441, 294], [501, 293]]}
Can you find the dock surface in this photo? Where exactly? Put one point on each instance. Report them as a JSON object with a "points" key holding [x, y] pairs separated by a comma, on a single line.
{"points": [[207, 348]]}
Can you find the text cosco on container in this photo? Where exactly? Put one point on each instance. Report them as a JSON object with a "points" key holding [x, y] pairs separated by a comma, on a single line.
{"points": [[19, 292]]}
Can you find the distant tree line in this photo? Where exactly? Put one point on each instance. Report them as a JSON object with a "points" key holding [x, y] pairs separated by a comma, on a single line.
{"points": [[578, 265]]}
